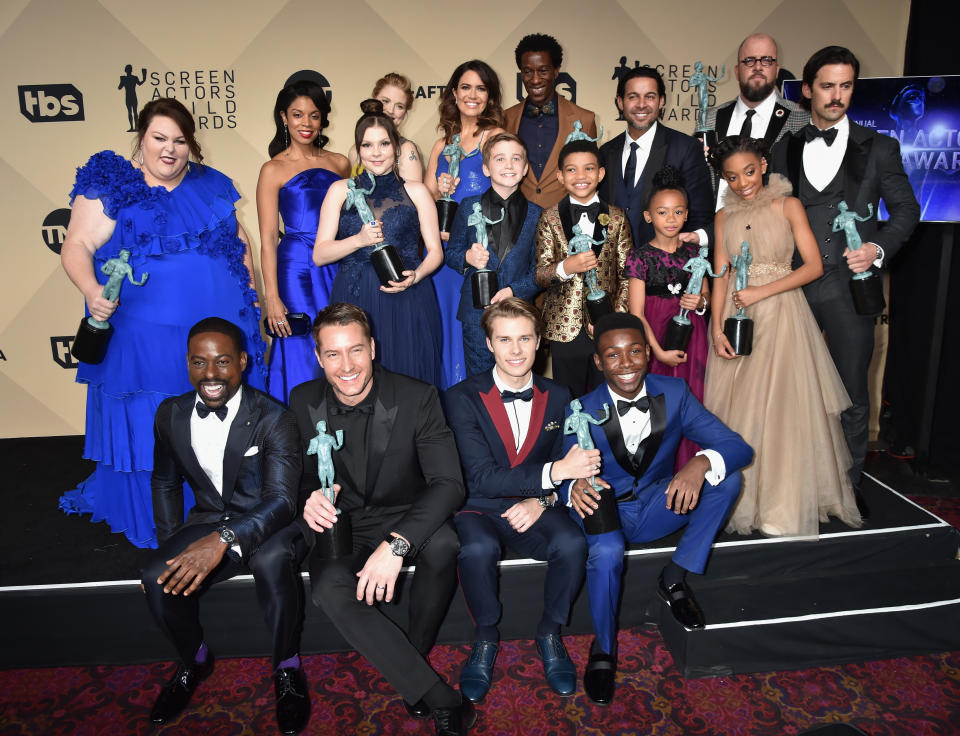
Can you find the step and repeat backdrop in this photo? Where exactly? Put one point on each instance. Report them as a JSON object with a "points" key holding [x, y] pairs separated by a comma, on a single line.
{"points": [[72, 70]]}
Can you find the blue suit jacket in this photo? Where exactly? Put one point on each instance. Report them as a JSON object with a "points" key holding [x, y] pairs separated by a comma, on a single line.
{"points": [[669, 148], [516, 269], [497, 476], [674, 413]]}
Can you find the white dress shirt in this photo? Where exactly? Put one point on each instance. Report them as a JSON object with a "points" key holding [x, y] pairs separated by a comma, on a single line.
{"points": [[519, 412], [758, 128], [587, 227], [822, 162]]}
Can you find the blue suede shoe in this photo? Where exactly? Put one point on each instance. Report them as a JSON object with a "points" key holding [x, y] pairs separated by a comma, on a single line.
{"points": [[478, 671], [557, 666]]}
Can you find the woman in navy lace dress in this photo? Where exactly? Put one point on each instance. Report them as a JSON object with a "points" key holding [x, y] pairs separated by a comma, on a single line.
{"points": [[404, 315], [177, 219]]}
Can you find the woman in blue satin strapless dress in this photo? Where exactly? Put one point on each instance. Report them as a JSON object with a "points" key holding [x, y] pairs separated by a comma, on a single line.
{"points": [[469, 107], [404, 317], [292, 186]]}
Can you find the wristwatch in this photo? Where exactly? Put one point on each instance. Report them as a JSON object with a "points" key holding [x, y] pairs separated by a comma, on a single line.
{"points": [[227, 535], [547, 501], [399, 546]]}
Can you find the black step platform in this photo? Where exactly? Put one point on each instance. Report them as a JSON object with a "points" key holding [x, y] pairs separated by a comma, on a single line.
{"points": [[889, 589]]}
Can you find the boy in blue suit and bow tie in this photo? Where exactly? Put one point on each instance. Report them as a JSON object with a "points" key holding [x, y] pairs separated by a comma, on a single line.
{"points": [[510, 241], [507, 422], [638, 444]]}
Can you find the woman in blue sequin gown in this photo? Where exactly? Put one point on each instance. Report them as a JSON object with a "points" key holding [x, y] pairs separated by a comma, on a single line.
{"points": [[178, 221], [469, 107], [292, 185], [404, 316]]}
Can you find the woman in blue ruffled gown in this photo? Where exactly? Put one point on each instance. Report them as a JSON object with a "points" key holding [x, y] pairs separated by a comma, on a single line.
{"points": [[292, 185], [469, 107], [178, 221], [404, 316]]}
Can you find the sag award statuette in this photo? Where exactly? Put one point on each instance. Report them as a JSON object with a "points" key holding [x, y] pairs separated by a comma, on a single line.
{"points": [[446, 207], [605, 517], [701, 82], [484, 282], [93, 336], [579, 135], [739, 327], [866, 286], [598, 303], [384, 257], [680, 328], [336, 541]]}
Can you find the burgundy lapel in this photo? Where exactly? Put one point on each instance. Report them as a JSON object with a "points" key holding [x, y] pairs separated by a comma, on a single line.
{"points": [[498, 414], [537, 411]]}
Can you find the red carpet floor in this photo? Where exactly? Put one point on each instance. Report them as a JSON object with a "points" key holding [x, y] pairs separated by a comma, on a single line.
{"points": [[914, 696]]}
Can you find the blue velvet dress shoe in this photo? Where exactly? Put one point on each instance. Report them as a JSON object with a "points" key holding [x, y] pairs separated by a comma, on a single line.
{"points": [[178, 691], [478, 671], [559, 669], [683, 605]]}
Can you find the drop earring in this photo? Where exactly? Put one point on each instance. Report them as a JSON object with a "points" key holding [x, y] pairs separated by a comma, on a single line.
{"points": [[286, 137], [140, 156]]}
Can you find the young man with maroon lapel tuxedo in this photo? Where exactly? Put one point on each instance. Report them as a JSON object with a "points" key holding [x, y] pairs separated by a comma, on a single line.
{"points": [[239, 450], [544, 119], [633, 157], [831, 160], [507, 422], [649, 415], [398, 478]]}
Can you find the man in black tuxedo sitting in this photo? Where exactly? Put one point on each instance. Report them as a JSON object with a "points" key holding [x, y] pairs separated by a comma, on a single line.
{"points": [[398, 477], [239, 450]]}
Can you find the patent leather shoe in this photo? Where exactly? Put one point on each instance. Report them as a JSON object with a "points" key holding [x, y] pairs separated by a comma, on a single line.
{"points": [[293, 700], [418, 710], [178, 691], [683, 605], [599, 677], [455, 721], [558, 668], [477, 673]]}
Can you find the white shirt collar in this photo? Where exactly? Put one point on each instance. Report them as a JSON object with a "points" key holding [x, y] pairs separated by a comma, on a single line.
{"points": [[501, 386], [763, 110], [617, 397], [842, 126], [594, 198]]}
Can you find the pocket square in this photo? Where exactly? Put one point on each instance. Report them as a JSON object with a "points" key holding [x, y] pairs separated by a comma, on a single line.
{"points": [[252, 451]]}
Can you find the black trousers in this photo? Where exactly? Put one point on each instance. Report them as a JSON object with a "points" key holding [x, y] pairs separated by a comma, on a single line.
{"points": [[276, 574], [399, 656], [850, 339], [573, 364]]}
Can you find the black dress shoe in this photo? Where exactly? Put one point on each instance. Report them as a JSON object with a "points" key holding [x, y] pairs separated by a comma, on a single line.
{"points": [[600, 677], [177, 692], [455, 721], [418, 710], [293, 700], [683, 605]]}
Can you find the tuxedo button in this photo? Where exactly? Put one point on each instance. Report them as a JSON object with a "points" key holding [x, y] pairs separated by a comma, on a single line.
{"points": [[826, 240], [538, 190]]}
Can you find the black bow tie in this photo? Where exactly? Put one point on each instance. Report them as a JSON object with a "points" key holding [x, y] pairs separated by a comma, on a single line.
{"points": [[591, 210], [338, 410], [509, 396], [203, 411], [643, 404], [547, 108], [811, 132]]}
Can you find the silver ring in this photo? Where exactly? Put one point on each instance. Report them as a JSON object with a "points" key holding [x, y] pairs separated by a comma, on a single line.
{"points": [[381, 587], [281, 322]]}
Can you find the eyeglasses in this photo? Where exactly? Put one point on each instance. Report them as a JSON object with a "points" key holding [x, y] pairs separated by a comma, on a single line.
{"points": [[751, 61]]}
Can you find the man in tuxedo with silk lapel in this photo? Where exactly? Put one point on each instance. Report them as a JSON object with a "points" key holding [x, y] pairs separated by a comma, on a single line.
{"points": [[398, 477], [545, 118], [758, 111], [508, 427], [649, 415], [239, 450], [831, 160], [632, 158]]}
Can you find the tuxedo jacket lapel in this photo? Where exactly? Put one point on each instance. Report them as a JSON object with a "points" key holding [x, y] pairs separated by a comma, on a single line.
{"points": [[238, 441], [526, 234], [537, 410], [501, 423], [722, 122], [855, 164], [611, 428], [566, 217], [777, 121], [380, 431], [648, 448], [658, 154], [795, 161]]}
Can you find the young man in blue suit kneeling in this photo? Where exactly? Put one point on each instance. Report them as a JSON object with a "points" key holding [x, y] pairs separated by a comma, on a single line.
{"points": [[649, 415]]}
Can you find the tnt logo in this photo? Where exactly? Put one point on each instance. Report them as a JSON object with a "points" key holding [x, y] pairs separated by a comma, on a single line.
{"points": [[50, 103], [54, 229], [61, 351]]}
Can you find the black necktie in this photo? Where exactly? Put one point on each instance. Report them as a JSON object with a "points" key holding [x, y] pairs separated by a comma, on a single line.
{"points": [[811, 132], [509, 396], [203, 411], [747, 128], [346, 410], [630, 170], [590, 210], [643, 404], [532, 111]]}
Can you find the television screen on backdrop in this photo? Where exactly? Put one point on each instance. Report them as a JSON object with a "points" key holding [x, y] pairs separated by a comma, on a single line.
{"points": [[923, 113]]}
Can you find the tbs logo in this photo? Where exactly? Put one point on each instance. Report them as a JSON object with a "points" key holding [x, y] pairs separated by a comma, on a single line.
{"points": [[50, 103], [60, 347]]}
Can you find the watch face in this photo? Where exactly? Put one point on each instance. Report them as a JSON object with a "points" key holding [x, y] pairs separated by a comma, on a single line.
{"points": [[399, 547], [227, 536]]}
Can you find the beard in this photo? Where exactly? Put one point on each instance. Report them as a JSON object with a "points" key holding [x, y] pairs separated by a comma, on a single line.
{"points": [[757, 94]]}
